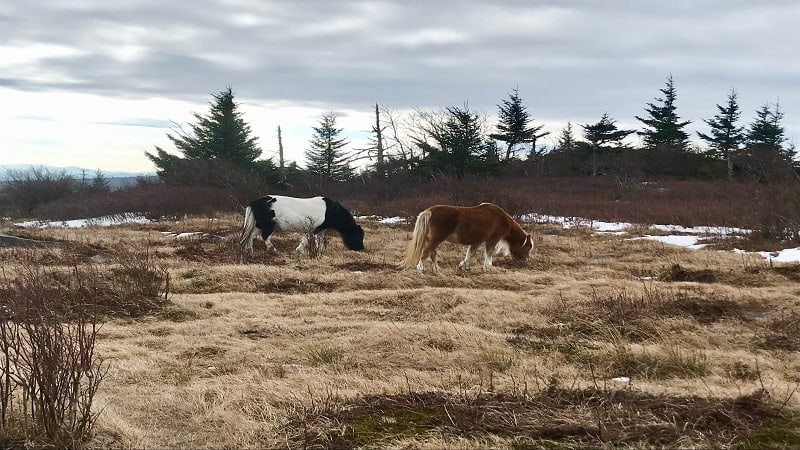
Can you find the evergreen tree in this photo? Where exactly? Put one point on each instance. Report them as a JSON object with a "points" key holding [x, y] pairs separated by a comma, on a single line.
{"points": [[221, 135], [665, 130], [326, 156], [605, 133], [566, 140], [461, 142], [99, 183], [726, 137], [766, 154], [766, 130], [513, 125]]}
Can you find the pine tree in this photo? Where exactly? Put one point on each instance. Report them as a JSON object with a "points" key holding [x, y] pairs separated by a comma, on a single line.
{"points": [[513, 125], [766, 130], [726, 137], [605, 133], [665, 129], [326, 156], [766, 155], [461, 141], [566, 140], [99, 183], [221, 135]]}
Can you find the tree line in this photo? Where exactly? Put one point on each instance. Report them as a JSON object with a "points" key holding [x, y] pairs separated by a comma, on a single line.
{"points": [[219, 148]]}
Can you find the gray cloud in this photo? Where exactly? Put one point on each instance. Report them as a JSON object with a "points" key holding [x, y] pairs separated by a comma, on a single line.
{"points": [[570, 59]]}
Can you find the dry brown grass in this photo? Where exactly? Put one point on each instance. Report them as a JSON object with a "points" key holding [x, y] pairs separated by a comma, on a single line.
{"points": [[343, 351]]}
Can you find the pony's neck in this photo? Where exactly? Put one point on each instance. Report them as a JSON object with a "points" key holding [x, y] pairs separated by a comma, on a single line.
{"points": [[516, 235], [342, 221]]}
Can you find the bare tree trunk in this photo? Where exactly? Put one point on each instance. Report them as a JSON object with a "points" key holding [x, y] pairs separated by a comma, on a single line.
{"points": [[380, 168], [280, 150], [729, 160]]}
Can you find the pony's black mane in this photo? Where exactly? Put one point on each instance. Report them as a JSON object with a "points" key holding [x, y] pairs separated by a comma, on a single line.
{"points": [[337, 217], [340, 219]]}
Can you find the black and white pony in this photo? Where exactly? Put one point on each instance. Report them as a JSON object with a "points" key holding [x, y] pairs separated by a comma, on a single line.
{"points": [[309, 216]]}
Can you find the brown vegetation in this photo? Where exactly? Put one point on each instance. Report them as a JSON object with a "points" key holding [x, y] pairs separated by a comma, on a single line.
{"points": [[345, 351]]}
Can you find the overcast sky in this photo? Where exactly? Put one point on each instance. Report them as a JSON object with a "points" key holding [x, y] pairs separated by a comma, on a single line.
{"points": [[96, 83]]}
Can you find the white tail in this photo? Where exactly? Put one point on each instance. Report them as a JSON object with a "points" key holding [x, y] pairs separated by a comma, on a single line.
{"points": [[418, 236], [246, 241]]}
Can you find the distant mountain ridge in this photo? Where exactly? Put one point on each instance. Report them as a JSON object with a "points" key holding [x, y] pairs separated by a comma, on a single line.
{"points": [[70, 170]]}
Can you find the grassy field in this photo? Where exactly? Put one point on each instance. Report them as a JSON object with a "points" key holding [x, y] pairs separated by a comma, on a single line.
{"points": [[597, 341]]}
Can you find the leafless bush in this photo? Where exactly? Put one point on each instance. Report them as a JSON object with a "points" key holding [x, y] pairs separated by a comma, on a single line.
{"points": [[778, 213], [49, 373], [153, 199], [26, 190], [49, 316]]}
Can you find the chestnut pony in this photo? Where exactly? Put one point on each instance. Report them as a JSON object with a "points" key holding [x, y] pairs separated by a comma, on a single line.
{"points": [[486, 224]]}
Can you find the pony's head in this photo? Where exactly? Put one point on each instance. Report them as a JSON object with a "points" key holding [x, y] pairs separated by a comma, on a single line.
{"points": [[524, 250], [353, 238]]}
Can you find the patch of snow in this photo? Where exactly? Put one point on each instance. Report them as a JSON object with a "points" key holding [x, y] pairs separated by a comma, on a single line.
{"points": [[724, 231], [679, 240], [621, 379], [103, 221], [786, 255], [392, 220], [187, 234]]}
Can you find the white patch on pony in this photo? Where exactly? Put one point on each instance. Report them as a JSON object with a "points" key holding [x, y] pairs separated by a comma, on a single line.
{"points": [[529, 238], [301, 215], [502, 248]]}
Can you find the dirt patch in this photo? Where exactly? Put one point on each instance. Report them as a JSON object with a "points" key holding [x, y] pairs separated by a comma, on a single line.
{"points": [[710, 310], [587, 417], [679, 273], [365, 266], [791, 272], [294, 286], [782, 333]]}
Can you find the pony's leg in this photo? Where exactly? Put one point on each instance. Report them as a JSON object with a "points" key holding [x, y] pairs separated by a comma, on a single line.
{"points": [[471, 250], [270, 246], [303, 245], [434, 265], [429, 252], [266, 234], [320, 240], [488, 252]]}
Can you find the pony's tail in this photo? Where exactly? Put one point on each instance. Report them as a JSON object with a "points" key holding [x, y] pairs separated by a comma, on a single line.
{"points": [[246, 239], [418, 236]]}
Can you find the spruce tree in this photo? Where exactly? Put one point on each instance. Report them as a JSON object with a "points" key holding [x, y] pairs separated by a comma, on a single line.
{"points": [[514, 125], [766, 154], [665, 130], [326, 156], [221, 135], [566, 140], [766, 130], [605, 133], [726, 137]]}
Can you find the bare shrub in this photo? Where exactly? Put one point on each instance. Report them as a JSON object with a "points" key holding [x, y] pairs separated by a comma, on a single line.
{"points": [[49, 374], [28, 189], [778, 213], [130, 285], [152, 199]]}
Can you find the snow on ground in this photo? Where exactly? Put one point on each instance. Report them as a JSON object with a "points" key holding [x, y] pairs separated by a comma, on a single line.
{"points": [[104, 221], [679, 240], [688, 237], [786, 255]]}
